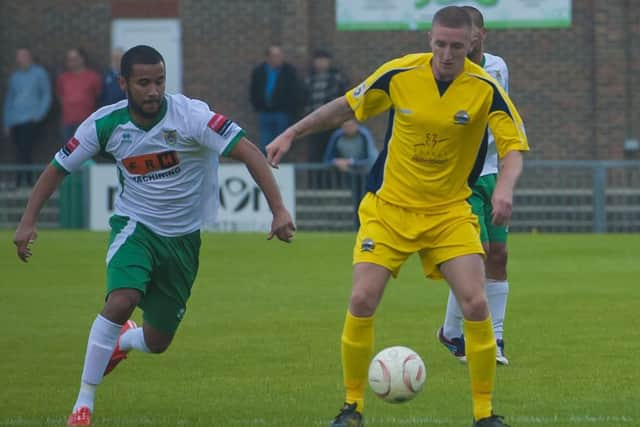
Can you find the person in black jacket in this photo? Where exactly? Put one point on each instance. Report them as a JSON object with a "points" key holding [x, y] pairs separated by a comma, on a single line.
{"points": [[275, 94], [324, 84]]}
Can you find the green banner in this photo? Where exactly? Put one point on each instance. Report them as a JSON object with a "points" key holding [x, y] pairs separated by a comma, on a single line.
{"points": [[371, 15]]}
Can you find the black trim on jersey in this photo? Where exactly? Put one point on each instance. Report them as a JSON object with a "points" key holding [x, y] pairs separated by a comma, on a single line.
{"points": [[443, 86], [376, 175], [498, 103], [480, 158], [384, 80]]}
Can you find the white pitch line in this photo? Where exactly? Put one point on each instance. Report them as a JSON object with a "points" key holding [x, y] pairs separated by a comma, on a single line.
{"points": [[580, 420]]}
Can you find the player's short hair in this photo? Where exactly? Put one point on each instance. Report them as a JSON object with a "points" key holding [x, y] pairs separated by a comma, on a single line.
{"points": [[452, 17], [476, 16], [140, 54]]}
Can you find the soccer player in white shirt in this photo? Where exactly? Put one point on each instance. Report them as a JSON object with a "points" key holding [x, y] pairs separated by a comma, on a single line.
{"points": [[494, 237], [166, 149]]}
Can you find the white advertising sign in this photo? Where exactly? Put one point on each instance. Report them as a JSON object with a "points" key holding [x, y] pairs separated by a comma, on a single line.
{"points": [[243, 207]]}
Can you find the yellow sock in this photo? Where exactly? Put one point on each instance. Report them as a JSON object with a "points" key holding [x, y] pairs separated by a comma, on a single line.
{"points": [[357, 350], [480, 347]]}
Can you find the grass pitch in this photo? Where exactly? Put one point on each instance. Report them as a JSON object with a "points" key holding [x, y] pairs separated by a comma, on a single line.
{"points": [[259, 345]]}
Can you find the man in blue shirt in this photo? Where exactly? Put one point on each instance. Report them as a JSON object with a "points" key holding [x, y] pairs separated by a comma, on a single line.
{"points": [[27, 102], [275, 93], [111, 91]]}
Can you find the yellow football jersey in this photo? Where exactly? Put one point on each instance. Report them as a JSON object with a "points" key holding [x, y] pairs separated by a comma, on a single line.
{"points": [[434, 139]]}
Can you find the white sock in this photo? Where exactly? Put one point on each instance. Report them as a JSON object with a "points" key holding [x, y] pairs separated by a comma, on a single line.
{"points": [[452, 327], [86, 396], [102, 341], [497, 291], [134, 338]]}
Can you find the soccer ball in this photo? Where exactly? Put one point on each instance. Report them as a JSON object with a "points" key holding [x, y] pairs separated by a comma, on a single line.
{"points": [[397, 374]]}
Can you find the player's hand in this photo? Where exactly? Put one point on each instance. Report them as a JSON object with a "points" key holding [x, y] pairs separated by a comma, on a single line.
{"points": [[282, 226], [25, 236], [502, 203], [279, 147]]}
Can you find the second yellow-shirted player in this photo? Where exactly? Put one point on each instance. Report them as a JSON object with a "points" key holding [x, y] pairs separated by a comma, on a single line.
{"points": [[440, 106]]}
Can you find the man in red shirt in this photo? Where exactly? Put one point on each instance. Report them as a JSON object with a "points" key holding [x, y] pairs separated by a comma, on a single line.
{"points": [[78, 90]]}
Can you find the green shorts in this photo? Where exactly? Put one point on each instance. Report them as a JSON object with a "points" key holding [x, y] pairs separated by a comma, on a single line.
{"points": [[480, 202], [162, 268]]}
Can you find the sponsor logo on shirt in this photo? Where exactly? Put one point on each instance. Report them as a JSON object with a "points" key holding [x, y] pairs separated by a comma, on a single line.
{"points": [[147, 163], [360, 90], [170, 136], [431, 150], [70, 146], [461, 118], [156, 175], [221, 125], [367, 245], [126, 138]]}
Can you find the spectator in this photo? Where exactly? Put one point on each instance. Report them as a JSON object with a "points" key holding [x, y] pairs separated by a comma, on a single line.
{"points": [[352, 150], [78, 90], [325, 83], [27, 102], [275, 94], [111, 91]]}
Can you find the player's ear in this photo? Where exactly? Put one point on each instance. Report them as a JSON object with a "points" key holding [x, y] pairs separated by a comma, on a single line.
{"points": [[123, 83]]}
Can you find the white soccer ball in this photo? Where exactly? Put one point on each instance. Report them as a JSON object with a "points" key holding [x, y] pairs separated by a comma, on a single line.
{"points": [[397, 374]]}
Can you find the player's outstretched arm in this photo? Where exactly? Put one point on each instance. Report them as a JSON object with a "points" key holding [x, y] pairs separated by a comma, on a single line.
{"points": [[502, 200], [330, 115], [282, 226], [26, 233]]}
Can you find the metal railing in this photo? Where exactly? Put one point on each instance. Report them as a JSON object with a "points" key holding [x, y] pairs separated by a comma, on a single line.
{"points": [[552, 196], [14, 193], [578, 196]]}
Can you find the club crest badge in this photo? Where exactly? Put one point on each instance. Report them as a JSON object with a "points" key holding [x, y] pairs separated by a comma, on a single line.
{"points": [[461, 118], [367, 245], [170, 136]]}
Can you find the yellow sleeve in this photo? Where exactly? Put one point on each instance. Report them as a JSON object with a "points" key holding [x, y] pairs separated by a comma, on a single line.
{"points": [[506, 124], [372, 96]]}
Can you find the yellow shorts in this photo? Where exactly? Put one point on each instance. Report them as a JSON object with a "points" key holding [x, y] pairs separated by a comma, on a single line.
{"points": [[389, 234]]}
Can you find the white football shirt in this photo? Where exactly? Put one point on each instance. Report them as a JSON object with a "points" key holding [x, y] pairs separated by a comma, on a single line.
{"points": [[168, 173], [497, 68]]}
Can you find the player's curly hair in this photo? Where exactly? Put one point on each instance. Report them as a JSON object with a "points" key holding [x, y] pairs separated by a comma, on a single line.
{"points": [[140, 54], [452, 17]]}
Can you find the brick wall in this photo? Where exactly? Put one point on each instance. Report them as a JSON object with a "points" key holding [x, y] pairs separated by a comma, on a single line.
{"points": [[578, 89]]}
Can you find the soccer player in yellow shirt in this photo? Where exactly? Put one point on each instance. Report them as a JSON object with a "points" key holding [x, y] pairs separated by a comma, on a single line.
{"points": [[440, 105]]}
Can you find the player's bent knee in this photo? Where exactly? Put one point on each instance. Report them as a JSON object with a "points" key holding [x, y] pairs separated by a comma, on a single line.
{"points": [[158, 347], [475, 307], [120, 304], [363, 303], [497, 257], [157, 341]]}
